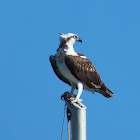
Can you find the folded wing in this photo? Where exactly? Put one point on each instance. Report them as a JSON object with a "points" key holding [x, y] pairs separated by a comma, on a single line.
{"points": [[83, 69]]}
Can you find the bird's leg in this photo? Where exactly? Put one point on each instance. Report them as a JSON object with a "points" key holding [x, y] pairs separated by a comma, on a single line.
{"points": [[80, 89], [72, 96], [73, 88]]}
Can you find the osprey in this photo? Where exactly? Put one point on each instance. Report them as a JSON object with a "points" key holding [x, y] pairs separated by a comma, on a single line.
{"points": [[75, 69]]}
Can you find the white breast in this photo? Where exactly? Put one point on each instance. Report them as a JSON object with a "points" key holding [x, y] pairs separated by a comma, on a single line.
{"points": [[60, 62], [66, 72]]}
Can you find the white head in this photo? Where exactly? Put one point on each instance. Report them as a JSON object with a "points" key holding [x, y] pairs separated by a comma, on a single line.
{"points": [[69, 38]]}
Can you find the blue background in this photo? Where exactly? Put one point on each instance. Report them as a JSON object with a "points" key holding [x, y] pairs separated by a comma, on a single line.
{"points": [[30, 104]]}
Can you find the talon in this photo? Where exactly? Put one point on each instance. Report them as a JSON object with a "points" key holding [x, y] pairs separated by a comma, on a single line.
{"points": [[68, 96], [76, 100], [72, 96]]}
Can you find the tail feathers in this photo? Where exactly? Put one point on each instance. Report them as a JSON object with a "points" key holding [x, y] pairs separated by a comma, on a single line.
{"points": [[107, 93]]}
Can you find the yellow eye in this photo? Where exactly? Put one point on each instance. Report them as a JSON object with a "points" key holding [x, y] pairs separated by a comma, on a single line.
{"points": [[74, 36]]}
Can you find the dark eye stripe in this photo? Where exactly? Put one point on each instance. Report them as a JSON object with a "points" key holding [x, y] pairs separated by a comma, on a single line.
{"points": [[71, 37]]}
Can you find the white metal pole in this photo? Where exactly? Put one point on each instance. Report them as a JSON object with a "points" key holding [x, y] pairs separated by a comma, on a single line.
{"points": [[78, 120]]}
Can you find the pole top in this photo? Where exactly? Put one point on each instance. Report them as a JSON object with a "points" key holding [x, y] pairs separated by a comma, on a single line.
{"points": [[72, 105]]}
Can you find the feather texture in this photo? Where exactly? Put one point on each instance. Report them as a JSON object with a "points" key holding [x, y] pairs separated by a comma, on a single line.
{"points": [[83, 69]]}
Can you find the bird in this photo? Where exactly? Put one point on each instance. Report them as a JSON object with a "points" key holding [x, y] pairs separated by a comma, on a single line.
{"points": [[75, 69]]}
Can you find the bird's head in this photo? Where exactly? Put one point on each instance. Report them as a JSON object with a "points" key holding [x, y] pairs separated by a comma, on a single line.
{"points": [[69, 38]]}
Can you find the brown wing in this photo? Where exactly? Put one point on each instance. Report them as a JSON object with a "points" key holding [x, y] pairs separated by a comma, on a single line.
{"points": [[83, 69], [55, 69]]}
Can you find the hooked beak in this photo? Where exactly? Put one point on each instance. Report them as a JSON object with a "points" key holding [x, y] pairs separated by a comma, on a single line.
{"points": [[79, 39]]}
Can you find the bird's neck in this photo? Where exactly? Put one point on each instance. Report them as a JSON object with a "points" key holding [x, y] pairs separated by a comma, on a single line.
{"points": [[68, 47], [70, 42]]}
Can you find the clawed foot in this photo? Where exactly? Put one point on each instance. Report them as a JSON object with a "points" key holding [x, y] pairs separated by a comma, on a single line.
{"points": [[71, 97], [76, 100], [68, 95]]}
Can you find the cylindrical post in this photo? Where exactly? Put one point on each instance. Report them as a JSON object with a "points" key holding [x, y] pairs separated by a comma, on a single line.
{"points": [[78, 120]]}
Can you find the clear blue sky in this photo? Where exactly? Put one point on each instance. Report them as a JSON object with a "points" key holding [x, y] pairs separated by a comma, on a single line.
{"points": [[30, 105]]}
